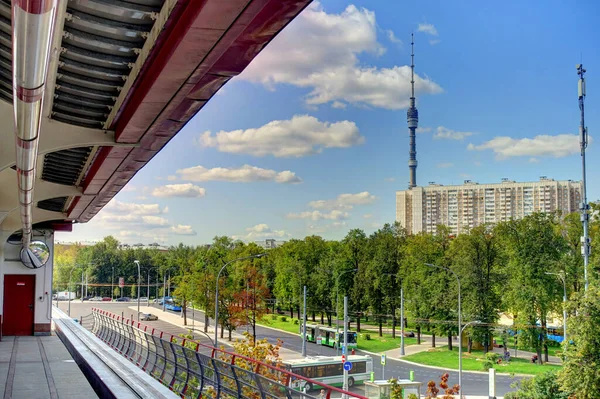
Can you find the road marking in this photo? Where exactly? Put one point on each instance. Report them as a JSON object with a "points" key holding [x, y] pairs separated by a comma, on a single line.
{"points": [[10, 379], [49, 378]]}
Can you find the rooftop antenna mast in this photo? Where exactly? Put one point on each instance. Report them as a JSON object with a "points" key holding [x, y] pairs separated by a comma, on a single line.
{"points": [[584, 207], [412, 116]]}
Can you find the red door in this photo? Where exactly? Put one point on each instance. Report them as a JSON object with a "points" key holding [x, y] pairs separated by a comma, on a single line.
{"points": [[19, 297]]}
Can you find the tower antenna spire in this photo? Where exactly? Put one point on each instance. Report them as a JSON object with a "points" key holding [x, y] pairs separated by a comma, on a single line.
{"points": [[412, 117]]}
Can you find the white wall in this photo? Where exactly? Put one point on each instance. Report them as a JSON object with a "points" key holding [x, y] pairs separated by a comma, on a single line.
{"points": [[10, 264]]}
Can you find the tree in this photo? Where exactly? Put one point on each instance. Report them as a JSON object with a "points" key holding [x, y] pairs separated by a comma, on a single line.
{"points": [[543, 386], [133, 291], [533, 248], [477, 259], [249, 305], [354, 257], [581, 358]]}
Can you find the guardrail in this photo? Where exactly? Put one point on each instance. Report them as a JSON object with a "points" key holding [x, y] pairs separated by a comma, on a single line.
{"points": [[194, 370]]}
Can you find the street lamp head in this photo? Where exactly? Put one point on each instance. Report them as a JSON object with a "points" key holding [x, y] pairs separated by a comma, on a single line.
{"points": [[136, 261]]}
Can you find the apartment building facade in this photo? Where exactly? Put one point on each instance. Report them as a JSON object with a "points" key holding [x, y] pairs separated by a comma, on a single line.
{"points": [[462, 207]]}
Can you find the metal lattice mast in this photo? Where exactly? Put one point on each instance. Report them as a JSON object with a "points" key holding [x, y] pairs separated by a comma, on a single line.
{"points": [[412, 116], [584, 207]]}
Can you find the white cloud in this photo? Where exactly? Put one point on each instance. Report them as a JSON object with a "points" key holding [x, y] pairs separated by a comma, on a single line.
{"points": [[445, 133], [139, 221], [188, 190], [183, 230], [261, 231], [368, 216], [534, 160], [128, 188], [344, 201], [244, 174], [392, 37], [118, 207], [318, 215], [322, 54], [465, 175], [444, 165], [390, 179], [338, 105], [558, 146], [433, 42], [428, 29], [300, 136], [424, 129]]}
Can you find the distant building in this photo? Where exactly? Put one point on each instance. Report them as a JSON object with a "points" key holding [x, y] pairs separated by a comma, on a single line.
{"points": [[270, 243], [461, 207]]}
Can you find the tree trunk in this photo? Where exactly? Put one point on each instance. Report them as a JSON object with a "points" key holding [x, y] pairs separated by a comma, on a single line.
{"points": [[358, 321], [291, 311], [394, 326], [313, 316], [229, 334], [418, 335], [543, 339], [206, 321], [329, 319], [539, 355], [469, 345], [254, 332], [380, 327], [222, 331], [433, 340], [546, 352], [449, 341], [184, 310], [298, 309], [322, 318]]}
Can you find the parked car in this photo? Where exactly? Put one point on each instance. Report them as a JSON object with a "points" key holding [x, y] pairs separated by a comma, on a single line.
{"points": [[123, 299], [106, 299], [409, 334], [87, 298], [149, 317], [96, 298], [143, 299]]}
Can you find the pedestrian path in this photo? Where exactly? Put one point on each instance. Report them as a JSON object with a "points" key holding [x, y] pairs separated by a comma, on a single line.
{"points": [[40, 367]]}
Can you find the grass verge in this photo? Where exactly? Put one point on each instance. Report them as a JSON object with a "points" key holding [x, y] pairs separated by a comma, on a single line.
{"points": [[442, 357]]}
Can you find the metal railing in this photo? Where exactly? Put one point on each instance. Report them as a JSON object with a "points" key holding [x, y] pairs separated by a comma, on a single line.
{"points": [[194, 370]]}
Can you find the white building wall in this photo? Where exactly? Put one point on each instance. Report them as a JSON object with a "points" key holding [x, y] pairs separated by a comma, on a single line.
{"points": [[10, 263]]}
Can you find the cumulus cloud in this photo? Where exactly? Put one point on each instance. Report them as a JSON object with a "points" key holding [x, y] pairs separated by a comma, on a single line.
{"points": [[300, 136], [344, 201], [428, 29], [179, 190], [140, 221], [423, 129], [444, 165], [322, 54], [392, 37], [261, 231], [445, 133], [558, 146], [318, 215], [183, 230], [368, 216], [244, 174]]}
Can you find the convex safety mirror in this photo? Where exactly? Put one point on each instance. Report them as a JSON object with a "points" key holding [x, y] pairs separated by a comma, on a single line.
{"points": [[36, 255]]}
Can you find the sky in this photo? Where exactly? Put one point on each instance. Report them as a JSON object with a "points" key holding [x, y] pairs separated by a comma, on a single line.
{"points": [[312, 137]]}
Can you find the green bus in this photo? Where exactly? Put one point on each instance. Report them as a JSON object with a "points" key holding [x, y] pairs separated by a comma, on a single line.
{"points": [[328, 370], [322, 335]]}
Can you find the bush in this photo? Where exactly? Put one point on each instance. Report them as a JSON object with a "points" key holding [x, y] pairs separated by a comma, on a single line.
{"points": [[368, 337], [552, 344], [283, 318], [541, 386], [491, 358], [274, 317], [296, 321]]}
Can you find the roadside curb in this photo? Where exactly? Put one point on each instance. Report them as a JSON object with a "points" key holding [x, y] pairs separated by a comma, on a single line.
{"points": [[448, 368]]}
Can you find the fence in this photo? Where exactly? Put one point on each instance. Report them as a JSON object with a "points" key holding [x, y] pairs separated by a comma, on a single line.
{"points": [[195, 370]]}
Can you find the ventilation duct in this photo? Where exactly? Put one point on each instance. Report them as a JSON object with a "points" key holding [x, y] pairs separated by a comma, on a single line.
{"points": [[33, 25]]}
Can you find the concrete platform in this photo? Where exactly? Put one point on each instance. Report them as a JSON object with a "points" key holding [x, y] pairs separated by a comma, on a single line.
{"points": [[40, 367]]}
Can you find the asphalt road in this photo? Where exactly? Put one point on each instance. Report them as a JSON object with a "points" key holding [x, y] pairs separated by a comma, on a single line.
{"points": [[473, 383]]}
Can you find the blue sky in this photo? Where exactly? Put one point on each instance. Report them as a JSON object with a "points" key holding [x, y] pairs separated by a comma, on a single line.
{"points": [[312, 137]]}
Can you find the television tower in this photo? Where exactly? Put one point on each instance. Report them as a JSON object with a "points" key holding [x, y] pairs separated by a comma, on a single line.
{"points": [[412, 116], [584, 207]]}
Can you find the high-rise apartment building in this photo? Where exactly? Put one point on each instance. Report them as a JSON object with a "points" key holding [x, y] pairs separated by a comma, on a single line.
{"points": [[464, 206]]}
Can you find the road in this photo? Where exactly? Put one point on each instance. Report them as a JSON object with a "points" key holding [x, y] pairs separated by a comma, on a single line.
{"points": [[473, 383]]}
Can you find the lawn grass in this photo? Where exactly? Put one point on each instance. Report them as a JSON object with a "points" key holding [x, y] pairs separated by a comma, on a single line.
{"points": [[376, 344], [442, 357]]}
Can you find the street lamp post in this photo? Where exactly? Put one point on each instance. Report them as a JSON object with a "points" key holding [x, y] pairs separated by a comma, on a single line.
{"points": [[402, 352], [70, 288], [217, 293], [137, 262], [562, 278], [460, 340], [459, 322], [112, 282], [337, 312]]}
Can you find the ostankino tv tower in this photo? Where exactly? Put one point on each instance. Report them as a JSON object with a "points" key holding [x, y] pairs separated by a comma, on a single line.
{"points": [[412, 116]]}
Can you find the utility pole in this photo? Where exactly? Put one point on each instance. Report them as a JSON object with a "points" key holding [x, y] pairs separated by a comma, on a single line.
{"points": [[112, 282], [304, 326], [584, 207], [402, 321], [148, 297], [82, 286], [344, 396], [86, 283], [164, 292]]}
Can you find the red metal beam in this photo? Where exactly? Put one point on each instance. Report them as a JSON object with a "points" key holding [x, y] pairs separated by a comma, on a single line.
{"points": [[211, 42]]}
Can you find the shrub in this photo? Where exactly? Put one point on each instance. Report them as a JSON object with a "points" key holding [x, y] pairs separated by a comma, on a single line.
{"points": [[368, 337], [283, 318], [491, 358], [541, 386], [296, 321], [274, 317]]}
